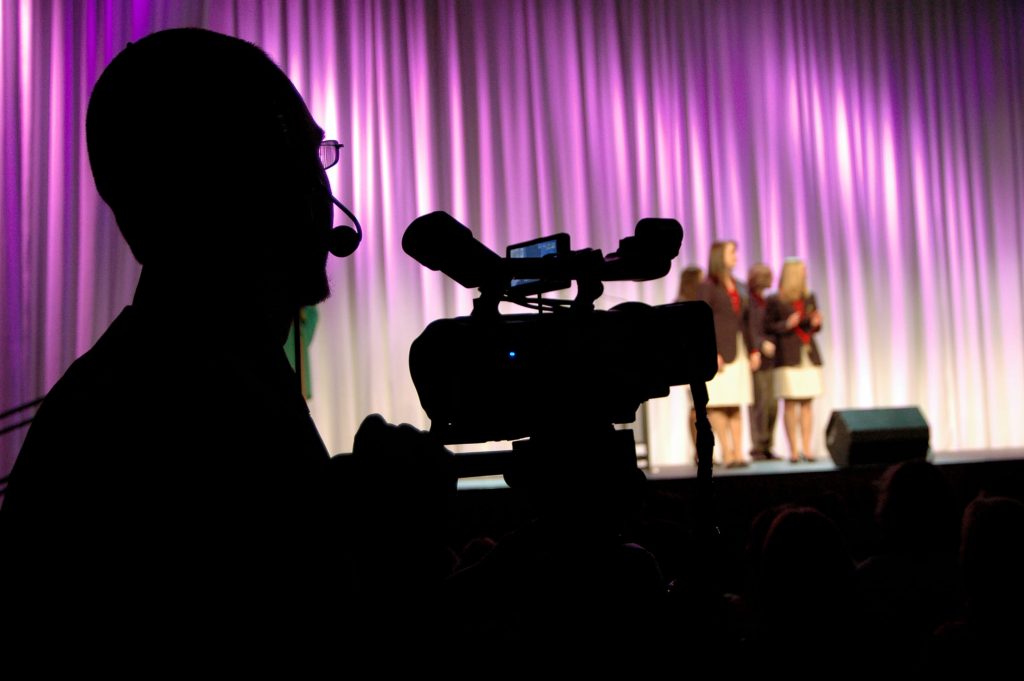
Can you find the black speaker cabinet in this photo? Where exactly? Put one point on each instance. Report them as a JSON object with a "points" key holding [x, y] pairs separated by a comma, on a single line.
{"points": [[876, 436]]}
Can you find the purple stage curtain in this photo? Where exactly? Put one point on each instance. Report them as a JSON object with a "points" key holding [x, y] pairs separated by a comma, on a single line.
{"points": [[881, 141]]}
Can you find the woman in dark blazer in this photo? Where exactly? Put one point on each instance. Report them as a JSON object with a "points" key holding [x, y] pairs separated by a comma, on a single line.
{"points": [[793, 317], [731, 388]]}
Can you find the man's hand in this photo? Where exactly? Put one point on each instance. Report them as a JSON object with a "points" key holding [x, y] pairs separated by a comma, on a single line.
{"points": [[768, 349], [755, 361], [793, 320], [403, 455], [402, 489]]}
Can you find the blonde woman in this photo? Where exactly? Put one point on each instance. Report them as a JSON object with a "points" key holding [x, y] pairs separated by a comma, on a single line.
{"points": [[792, 315], [731, 388]]}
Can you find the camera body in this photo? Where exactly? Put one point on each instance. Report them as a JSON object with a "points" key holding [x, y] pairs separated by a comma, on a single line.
{"points": [[512, 376], [489, 376]]}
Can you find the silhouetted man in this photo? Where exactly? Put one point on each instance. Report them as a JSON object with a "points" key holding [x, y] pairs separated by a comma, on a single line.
{"points": [[174, 474]]}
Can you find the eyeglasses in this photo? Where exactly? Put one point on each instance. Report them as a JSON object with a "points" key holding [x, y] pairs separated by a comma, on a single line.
{"points": [[329, 152]]}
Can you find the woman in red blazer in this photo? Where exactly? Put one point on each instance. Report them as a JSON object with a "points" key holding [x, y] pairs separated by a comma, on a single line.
{"points": [[793, 317], [732, 387]]}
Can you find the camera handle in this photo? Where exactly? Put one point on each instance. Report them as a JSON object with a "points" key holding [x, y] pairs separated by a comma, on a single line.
{"points": [[486, 306], [585, 267], [587, 291]]}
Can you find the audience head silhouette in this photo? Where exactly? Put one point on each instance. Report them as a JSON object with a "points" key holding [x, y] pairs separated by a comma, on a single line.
{"points": [[805, 566], [209, 159], [992, 558], [917, 510]]}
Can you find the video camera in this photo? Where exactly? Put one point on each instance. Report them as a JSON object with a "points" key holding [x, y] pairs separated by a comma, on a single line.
{"points": [[490, 376]]}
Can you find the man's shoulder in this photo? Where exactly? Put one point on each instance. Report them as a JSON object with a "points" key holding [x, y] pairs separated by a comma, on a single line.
{"points": [[92, 370], [114, 387], [59, 442]]}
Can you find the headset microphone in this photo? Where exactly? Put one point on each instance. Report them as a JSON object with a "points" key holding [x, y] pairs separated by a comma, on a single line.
{"points": [[343, 240]]}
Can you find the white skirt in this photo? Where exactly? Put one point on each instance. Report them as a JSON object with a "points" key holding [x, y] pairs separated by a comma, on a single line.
{"points": [[801, 382], [733, 385]]}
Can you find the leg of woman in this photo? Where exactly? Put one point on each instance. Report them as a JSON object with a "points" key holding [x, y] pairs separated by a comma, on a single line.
{"points": [[806, 424], [790, 419], [720, 425], [735, 426]]}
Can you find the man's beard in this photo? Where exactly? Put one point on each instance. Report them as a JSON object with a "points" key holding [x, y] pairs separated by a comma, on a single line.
{"points": [[315, 286]]}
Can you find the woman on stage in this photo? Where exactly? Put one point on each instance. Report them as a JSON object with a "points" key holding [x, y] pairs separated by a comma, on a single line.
{"points": [[731, 388], [793, 316]]}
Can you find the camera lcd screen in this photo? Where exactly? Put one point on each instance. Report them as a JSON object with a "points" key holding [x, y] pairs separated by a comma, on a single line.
{"points": [[545, 247]]}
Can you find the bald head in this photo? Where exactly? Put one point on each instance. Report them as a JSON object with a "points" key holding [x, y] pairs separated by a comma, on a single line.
{"points": [[207, 155], [184, 122]]}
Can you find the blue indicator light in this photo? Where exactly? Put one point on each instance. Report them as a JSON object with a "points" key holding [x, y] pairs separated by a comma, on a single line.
{"points": [[511, 354]]}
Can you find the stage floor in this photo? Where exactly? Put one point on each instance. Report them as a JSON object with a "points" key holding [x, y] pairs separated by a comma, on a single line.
{"points": [[780, 467], [823, 464]]}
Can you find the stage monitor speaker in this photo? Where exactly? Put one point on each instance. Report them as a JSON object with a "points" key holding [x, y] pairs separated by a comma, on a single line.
{"points": [[876, 436]]}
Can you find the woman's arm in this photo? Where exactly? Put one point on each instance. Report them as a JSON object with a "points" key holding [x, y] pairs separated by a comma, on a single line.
{"points": [[777, 321], [814, 319], [751, 339]]}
